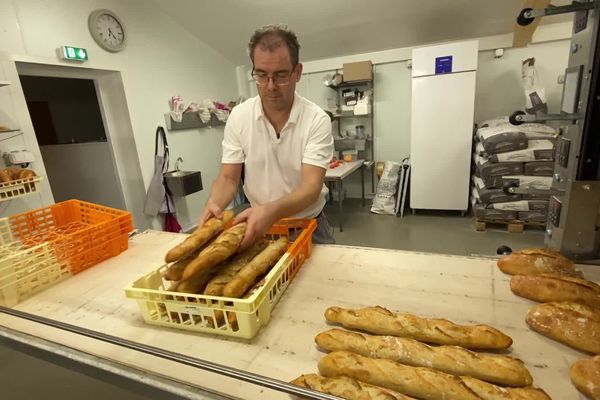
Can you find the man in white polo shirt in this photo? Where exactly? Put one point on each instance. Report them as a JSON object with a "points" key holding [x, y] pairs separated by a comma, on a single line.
{"points": [[282, 141]]}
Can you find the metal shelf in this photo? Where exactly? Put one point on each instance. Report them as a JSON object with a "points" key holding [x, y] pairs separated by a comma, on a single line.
{"points": [[344, 85], [347, 138], [191, 121], [5, 135], [339, 116]]}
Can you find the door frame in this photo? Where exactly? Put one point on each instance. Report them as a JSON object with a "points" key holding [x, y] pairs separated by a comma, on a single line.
{"points": [[117, 124]]}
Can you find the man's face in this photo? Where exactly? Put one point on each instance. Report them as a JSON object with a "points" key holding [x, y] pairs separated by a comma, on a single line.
{"points": [[276, 64]]}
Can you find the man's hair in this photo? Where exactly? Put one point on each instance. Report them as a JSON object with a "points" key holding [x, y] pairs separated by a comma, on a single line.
{"points": [[271, 37]]}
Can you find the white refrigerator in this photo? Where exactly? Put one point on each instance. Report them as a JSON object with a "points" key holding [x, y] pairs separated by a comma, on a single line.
{"points": [[443, 100]]}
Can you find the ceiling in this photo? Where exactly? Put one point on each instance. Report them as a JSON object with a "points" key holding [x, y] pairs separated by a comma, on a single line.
{"points": [[329, 28]]}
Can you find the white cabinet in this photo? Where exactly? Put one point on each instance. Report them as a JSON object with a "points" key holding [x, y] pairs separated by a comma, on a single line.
{"points": [[443, 99]]}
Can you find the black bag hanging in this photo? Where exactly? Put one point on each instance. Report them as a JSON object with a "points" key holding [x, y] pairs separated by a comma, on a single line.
{"points": [[156, 194]]}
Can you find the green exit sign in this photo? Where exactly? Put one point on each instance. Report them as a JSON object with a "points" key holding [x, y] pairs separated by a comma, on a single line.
{"points": [[75, 53]]}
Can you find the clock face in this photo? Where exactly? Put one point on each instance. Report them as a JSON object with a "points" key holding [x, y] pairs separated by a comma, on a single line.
{"points": [[107, 30]]}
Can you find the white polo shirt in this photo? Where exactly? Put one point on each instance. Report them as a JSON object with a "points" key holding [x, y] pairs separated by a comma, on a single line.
{"points": [[272, 166]]}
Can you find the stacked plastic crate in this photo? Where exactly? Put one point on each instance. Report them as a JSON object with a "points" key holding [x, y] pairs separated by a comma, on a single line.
{"points": [[505, 156]]}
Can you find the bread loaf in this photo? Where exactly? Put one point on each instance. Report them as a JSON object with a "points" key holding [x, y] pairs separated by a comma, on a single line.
{"points": [[199, 237], [347, 388], [585, 375], [257, 267], [487, 391], [551, 287], [574, 324], [224, 246], [5, 176], [14, 172], [423, 383], [537, 261], [231, 268], [453, 360], [26, 173], [380, 321], [196, 283], [175, 270]]}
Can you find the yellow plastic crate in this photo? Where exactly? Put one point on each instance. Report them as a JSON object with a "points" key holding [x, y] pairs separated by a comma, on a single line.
{"points": [[25, 271], [222, 315]]}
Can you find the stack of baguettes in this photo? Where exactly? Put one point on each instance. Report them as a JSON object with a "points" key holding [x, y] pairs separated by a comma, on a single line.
{"points": [[570, 309], [387, 358], [208, 261]]}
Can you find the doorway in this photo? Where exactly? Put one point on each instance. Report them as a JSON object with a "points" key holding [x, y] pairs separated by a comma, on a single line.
{"points": [[86, 139], [67, 120]]}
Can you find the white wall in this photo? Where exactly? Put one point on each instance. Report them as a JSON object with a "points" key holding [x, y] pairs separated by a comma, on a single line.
{"points": [[161, 59], [499, 90]]}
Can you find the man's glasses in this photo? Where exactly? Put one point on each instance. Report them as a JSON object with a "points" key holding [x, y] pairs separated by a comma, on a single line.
{"points": [[279, 78]]}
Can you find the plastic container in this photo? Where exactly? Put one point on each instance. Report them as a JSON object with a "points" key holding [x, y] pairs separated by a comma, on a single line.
{"points": [[25, 271], [222, 315], [350, 155], [19, 187], [79, 232]]}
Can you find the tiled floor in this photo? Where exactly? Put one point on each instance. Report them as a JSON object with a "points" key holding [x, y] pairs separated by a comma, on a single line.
{"points": [[427, 231]]}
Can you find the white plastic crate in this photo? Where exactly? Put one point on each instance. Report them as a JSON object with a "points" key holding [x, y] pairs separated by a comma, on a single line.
{"points": [[25, 271], [19, 188]]}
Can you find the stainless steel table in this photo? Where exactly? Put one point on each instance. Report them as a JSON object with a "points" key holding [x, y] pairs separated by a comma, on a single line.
{"points": [[338, 175]]}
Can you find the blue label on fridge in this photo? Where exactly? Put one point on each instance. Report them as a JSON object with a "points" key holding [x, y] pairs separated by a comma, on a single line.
{"points": [[443, 65]]}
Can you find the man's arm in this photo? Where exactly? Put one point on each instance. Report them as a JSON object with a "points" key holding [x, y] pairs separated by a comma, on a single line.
{"points": [[261, 218], [222, 191], [304, 196]]}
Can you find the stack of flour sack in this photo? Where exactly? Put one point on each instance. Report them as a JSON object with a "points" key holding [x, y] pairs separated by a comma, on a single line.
{"points": [[521, 156]]}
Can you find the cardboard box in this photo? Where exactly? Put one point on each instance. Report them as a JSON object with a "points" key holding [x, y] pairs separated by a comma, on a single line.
{"points": [[358, 71]]}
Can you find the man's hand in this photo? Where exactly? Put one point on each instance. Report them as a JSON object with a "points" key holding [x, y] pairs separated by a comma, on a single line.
{"points": [[259, 220], [210, 210]]}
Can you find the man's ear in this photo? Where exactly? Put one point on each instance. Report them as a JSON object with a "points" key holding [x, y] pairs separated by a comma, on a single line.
{"points": [[298, 71]]}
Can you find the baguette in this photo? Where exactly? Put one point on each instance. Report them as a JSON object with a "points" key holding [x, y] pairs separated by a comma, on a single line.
{"points": [[381, 321], [585, 375], [537, 261], [254, 288], [487, 391], [199, 237], [546, 288], [453, 360], [574, 324], [229, 270], [196, 283], [220, 250], [257, 267], [413, 381], [347, 388], [175, 270]]}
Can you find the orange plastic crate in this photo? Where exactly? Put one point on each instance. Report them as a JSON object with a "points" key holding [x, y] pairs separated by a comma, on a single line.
{"points": [[245, 316], [80, 232]]}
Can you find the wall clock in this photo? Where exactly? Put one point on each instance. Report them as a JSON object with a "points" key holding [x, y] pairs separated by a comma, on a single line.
{"points": [[107, 30]]}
